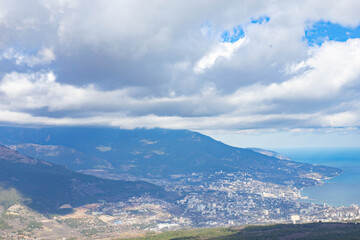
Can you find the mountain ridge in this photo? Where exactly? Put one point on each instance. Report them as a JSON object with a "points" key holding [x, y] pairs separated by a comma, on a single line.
{"points": [[160, 153], [49, 186]]}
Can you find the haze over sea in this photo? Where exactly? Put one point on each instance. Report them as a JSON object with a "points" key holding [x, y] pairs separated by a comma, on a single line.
{"points": [[343, 190]]}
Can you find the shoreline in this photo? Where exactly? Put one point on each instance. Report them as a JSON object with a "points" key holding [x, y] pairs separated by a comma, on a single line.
{"points": [[333, 193], [321, 183]]}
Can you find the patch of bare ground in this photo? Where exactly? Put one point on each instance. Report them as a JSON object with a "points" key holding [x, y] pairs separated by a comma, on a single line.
{"points": [[80, 212], [122, 235]]}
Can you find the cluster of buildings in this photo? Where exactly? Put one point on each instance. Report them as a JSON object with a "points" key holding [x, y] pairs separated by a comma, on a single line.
{"points": [[223, 199]]}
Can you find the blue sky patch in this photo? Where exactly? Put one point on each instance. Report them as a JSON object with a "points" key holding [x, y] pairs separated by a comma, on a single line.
{"points": [[237, 32], [260, 20], [234, 35], [322, 31]]}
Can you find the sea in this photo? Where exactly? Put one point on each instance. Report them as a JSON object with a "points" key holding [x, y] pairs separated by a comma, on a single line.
{"points": [[342, 190]]}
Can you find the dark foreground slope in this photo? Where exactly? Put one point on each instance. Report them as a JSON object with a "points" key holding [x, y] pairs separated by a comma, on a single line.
{"points": [[48, 186], [311, 231], [160, 153]]}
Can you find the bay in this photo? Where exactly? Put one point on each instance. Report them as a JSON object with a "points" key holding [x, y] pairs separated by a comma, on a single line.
{"points": [[342, 190]]}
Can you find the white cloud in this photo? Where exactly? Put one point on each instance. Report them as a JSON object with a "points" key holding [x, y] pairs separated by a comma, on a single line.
{"points": [[43, 57], [116, 64], [223, 50], [330, 68], [38, 90], [103, 148], [343, 119]]}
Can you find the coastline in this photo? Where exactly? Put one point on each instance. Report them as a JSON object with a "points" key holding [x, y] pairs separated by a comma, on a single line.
{"points": [[321, 182], [339, 190]]}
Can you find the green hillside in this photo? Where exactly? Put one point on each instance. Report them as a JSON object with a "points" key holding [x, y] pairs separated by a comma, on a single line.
{"points": [[45, 186], [311, 231]]}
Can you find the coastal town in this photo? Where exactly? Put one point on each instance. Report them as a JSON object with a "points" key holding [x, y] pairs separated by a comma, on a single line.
{"points": [[217, 199], [222, 199]]}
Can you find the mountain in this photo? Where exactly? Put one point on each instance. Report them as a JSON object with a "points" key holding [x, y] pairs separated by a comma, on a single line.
{"points": [[270, 153], [160, 153], [46, 186], [61, 155]]}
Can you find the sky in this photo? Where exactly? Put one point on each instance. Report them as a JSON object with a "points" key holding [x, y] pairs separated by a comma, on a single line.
{"points": [[249, 73]]}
